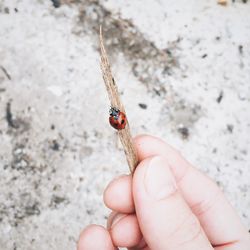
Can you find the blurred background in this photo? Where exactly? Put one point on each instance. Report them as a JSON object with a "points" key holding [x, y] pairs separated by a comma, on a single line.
{"points": [[183, 70]]}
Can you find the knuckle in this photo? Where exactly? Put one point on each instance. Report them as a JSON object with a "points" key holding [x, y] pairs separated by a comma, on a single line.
{"points": [[188, 231], [207, 203]]}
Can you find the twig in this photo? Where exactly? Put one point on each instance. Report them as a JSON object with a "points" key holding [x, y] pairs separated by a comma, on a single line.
{"points": [[111, 87], [5, 72]]}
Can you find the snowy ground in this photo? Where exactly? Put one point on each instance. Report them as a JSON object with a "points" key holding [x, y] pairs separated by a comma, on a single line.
{"points": [[183, 68]]}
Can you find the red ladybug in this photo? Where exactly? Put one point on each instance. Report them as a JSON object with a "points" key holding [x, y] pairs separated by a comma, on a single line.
{"points": [[117, 119]]}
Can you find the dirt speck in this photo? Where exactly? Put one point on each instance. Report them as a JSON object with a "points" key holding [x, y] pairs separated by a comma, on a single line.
{"points": [[18, 124], [184, 131], [230, 128], [56, 3], [9, 116], [32, 209], [240, 48], [6, 73], [55, 145], [57, 200], [143, 105], [220, 97]]}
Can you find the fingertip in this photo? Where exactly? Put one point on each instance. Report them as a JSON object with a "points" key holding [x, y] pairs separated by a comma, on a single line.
{"points": [[148, 145], [118, 195], [143, 139], [95, 237], [124, 230], [141, 136]]}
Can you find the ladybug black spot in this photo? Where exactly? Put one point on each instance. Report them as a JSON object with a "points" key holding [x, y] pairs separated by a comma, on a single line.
{"points": [[122, 121]]}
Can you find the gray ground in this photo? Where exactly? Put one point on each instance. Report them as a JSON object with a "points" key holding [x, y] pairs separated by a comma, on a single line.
{"points": [[183, 68]]}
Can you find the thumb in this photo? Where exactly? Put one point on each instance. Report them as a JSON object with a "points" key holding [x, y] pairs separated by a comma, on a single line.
{"points": [[165, 219]]}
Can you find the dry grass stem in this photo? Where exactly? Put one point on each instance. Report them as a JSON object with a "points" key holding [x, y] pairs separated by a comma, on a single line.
{"points": [[222, 2], [115, 101]]}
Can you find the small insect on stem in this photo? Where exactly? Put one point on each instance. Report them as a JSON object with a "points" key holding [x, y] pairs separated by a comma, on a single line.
{"points": [[117, 119]]}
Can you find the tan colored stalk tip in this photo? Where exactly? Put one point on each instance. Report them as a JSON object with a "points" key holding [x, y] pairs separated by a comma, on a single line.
{"points": [[115, 101], [222, 2]]}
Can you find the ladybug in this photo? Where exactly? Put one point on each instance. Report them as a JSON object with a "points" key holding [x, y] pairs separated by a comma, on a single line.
{"points": [[117, 119]]}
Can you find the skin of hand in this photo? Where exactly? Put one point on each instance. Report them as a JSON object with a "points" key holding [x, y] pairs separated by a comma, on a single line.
{"points": [[168, 204]]}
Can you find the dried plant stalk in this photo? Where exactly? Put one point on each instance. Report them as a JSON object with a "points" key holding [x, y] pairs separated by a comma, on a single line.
{"points": [[222, 2], [115, 101]]}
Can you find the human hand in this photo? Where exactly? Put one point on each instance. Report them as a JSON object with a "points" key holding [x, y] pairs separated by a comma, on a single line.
{"points": [[168, 204]]}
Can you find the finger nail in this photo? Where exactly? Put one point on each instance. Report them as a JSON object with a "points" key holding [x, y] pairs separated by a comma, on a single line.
{"points": [[159, 181]]}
